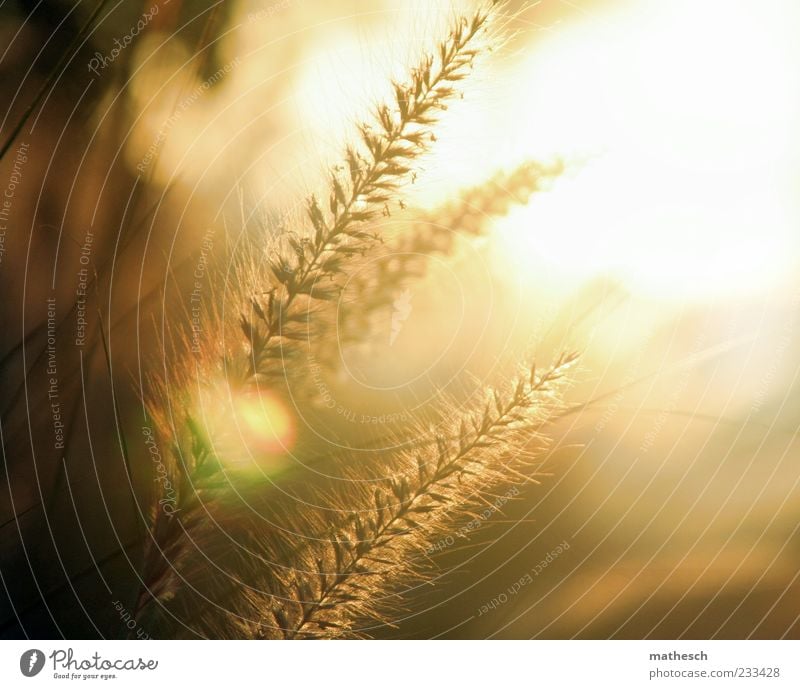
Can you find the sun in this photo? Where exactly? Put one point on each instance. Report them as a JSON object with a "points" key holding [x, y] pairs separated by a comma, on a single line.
{"points": [[680, 134]]}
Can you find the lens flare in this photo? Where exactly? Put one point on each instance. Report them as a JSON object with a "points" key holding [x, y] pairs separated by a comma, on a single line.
{"points": [[248, 429], [265, 424]]}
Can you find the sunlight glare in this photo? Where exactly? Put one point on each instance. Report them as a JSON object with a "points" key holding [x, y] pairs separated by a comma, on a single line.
{"points": [[250, 428], [265, 423], [686, 118]]}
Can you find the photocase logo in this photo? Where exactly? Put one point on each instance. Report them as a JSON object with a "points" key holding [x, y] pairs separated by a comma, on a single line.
{"points": [[31, 662], [401, 310]]}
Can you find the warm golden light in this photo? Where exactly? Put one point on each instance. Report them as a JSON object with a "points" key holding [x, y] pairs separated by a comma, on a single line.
{"points": [[264, 422], [686, 192], [679, 118], [248, 429], [460, 319]]}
